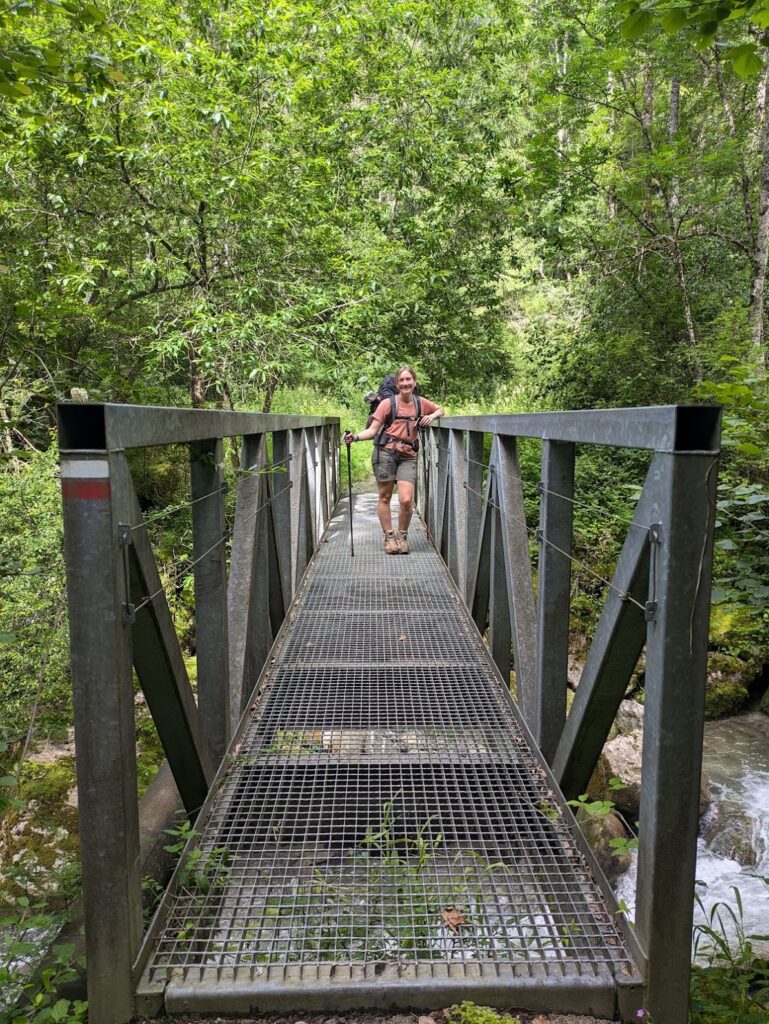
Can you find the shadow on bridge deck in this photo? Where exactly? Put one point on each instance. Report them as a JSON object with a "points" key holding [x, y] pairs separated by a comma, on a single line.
{"points": [[382, 833]]}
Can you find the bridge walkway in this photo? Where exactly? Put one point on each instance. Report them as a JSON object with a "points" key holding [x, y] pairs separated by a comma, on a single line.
{"points": [[383, 832]]}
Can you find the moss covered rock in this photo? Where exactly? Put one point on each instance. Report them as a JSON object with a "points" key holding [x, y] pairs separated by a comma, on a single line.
{"points": [[726, 691]]}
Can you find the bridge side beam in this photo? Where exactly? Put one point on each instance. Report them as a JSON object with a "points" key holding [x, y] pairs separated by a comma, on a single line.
{"points": [[100, 647], [684, 490], [554, 594]]}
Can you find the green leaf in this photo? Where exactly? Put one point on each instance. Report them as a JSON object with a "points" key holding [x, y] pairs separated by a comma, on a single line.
{"points": [[14, 90], [674, 20], [747, 62], [637, 24]]}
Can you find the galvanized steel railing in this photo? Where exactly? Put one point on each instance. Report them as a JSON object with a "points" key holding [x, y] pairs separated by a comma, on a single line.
{"points": [[658, 599], [120, 620], [474, 509]]}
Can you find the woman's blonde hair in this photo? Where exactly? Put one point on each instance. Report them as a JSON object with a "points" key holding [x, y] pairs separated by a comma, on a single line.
{"points": [[406, 369]]}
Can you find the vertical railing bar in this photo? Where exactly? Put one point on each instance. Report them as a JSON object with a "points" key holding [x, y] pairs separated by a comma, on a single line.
{"points": [[441, 489], [281, 509], [457, 538], [515, 545], [473, 512], [553, 594], [500, 634], [297, 472], [210, 569], [248, 589], [277, 603]]}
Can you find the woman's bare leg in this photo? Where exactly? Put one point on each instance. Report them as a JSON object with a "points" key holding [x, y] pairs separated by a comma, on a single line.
{"points": [[383, 506], [405, 504]]}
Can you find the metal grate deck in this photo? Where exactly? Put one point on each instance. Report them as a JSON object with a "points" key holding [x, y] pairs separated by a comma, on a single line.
{"points": [[382, 834]]}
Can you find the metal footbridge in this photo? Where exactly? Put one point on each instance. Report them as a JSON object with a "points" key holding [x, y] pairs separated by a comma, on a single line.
{"points": [[377, 821]]}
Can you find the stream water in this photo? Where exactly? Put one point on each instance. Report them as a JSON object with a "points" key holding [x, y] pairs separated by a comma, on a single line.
{"points": [[736, 764]]}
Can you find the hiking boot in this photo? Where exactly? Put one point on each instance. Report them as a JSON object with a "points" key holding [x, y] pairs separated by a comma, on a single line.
{"points": [[391, 545], [403, 544]]}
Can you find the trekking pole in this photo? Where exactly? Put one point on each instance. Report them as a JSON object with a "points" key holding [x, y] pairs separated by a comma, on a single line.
{"points": [[349, 495], [426, 517]]}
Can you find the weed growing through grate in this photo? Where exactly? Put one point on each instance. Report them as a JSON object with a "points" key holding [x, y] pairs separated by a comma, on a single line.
{"points": [[201, 874], [398, 897]]}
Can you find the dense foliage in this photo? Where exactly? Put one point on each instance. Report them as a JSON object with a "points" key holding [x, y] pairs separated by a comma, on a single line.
{"points": [[268, 205]]}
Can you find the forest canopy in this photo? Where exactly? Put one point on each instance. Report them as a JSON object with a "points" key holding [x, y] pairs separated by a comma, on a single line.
{"points": [[550, 205]]}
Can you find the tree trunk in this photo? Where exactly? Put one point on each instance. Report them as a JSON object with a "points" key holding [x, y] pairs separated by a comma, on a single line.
{"points": [[747, 206], [671, 198], [758, 337]]}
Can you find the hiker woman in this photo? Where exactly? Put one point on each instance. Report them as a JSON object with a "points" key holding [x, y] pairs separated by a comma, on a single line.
{"points": [[395, 426]]}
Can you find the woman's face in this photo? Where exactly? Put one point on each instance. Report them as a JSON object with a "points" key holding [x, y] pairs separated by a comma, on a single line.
{"points": [[405, 382]]}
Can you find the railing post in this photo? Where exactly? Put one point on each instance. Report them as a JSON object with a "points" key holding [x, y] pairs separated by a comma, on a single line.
{"points": [[211, 636], [248, 590], [515, 548], [500, 632], [473, 511], [95, 503], [441, 491], [683, 519], [456, 542], [281, 509], [553, 597]]}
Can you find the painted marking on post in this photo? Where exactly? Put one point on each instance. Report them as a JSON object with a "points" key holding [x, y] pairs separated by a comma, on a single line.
{"points": [[85, 480], [88, 490], [85, 469]]}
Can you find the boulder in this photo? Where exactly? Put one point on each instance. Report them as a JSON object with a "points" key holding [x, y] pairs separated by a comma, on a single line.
{"points": [[599, 830], [621, 759], [765, 703], [630, 717], [731, 832], [726, 689]]}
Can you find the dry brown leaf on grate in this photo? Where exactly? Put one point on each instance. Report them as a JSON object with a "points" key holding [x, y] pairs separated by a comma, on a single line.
{"points": [[401, 637], [453, 918]]}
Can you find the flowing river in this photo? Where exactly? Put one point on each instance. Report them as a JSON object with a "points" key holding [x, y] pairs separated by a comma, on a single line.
{"points": [[736, 764]]}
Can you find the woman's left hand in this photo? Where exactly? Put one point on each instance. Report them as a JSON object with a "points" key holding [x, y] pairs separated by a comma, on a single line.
{"points": [[426, 421]]}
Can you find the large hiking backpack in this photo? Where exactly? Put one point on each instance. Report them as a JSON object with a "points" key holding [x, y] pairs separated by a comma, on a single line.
{"points": [[388, 389]]}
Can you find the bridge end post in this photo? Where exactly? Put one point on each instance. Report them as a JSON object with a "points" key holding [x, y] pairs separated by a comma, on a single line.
{"points": [[100, 648], [676, 655]]}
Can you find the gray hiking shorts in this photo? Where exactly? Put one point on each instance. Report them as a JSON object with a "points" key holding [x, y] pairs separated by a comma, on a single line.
{"points": [[389, 466]]}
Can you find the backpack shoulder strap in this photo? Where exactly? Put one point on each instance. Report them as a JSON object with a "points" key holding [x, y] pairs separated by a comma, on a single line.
{"points": [[393, 410]]}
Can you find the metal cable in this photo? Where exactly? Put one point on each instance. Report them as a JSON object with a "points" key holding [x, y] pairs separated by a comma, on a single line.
{"points": [[541, 489], [624, 596], [592, 508], [226, 536], [261, 471], [29, 572]]}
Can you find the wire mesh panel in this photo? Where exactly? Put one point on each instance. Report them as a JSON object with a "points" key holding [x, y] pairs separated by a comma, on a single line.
{"points": [[381, 820]]}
